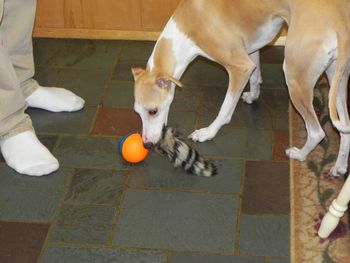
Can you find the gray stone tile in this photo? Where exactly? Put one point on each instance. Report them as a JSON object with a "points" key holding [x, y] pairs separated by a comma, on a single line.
{"points": [[242, 143], [281, 120], [30, 198], [78, 122], [101, 187], [273, 76], [193, 258], [123, 69], [177, 220], [74, 53], [265, 235], [157, 172], [90, 255], [205, 73], [279, 260], [83, 224], [136, 50], [272, 55], [254, 116], [275, 99], [88, 84], [120, 94], [89, 152], [184, 122], [187, 98]]}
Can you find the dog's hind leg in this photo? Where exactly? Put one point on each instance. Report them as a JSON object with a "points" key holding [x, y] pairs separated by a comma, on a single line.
{"points": [[341, 164], [239, 67], [254, 81], [305, 61]]}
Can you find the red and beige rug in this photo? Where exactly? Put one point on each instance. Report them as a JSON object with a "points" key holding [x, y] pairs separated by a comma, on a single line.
{"points": [[312, 190]]}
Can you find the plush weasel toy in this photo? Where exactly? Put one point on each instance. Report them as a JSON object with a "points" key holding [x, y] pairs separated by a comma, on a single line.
{"points": [[183, 155]]}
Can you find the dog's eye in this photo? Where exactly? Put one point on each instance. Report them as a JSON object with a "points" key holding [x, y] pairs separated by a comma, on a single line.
{"points": [[153, 112]]}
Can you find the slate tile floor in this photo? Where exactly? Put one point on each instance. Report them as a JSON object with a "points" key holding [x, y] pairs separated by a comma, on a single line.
{"points": [[97, 208]]}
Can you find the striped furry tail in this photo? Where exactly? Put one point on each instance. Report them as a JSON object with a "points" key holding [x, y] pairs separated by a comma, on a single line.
{"points": [[183, 155]]}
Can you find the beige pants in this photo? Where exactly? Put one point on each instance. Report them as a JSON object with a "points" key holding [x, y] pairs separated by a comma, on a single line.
{"points": [[16, 64]]}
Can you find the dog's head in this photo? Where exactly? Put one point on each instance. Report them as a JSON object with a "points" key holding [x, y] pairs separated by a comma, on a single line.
{"points": [[154, 93]]}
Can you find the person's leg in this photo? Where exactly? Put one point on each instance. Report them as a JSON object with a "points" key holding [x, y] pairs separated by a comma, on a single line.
{"points": [[19, 146], [17, 27]]}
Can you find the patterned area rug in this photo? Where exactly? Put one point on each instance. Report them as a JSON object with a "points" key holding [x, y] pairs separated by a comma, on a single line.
{"points": [[312, 191]]}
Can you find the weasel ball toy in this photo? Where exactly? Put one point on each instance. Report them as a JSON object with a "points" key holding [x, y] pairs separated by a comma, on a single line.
{"points": [[131, 148]]}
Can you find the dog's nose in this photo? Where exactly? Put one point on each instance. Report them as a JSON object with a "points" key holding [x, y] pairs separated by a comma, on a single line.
{"points": [[148, 145]]}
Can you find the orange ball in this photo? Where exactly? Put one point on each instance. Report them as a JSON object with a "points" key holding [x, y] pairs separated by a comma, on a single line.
{"points": [[132, 149]]}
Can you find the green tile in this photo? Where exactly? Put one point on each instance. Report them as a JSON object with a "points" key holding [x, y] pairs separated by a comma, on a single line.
{"points": [[193, 258], [88, 84], [187, 98], [89, 152], [78, 122], [102, 187], [120, 94], [275, 99], [281, 120], [74, 53], [273, 76], [272, 55], [254, 116], [265, 235], [83, 224], [183, 122], [205, 73], [30, 198], [91, 255], [178, 221], [157, 172], [137, 50], [123, 69], [242, 143]]}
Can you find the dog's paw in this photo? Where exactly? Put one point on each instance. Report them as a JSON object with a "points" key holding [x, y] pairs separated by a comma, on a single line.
{"points": [[249, 97], [295, 153], [202, 135], [338, 171]]}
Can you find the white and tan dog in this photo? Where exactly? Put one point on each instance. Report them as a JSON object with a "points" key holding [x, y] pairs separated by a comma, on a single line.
{"points": [[231, 32]]}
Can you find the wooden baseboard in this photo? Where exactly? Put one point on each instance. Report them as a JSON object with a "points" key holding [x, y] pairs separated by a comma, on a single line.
{"points": [[110, 34]]}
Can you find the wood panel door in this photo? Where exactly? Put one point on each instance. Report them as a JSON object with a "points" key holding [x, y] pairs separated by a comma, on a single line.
{"points": [[103, 18]]}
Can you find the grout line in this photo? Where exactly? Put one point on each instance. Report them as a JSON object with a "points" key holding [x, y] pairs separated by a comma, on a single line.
{"points": [[56, 214], [239, 212], [149, 250], [199, 192], [112, 233], [23, 221]]}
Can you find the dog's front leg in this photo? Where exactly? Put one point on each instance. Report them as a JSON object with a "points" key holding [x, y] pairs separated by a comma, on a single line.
{"points": [[239, 74], [254, 81]]}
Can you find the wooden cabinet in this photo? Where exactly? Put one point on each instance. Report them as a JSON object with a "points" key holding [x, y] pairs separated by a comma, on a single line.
{"points": [[107, 19], [104, 19]]}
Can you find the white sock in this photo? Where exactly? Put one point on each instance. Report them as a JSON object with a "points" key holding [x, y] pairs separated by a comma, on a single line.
{"points": [[55, 100], [25, 154]]}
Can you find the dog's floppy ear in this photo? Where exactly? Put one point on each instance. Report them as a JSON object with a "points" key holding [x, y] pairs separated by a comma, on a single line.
{"points": [[136, 72], [165, 81]]}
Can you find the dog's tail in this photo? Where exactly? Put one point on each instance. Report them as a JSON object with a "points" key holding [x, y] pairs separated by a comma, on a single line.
{"points": [[341, 68]]}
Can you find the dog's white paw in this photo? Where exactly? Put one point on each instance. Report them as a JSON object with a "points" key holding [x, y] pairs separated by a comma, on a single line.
{"points": [[338, 171], [202, 135], [295, 153], [249, 97]]}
